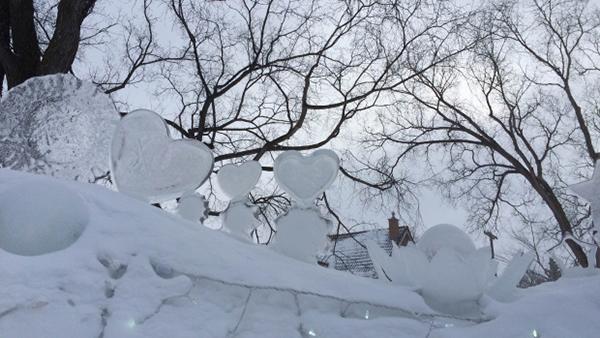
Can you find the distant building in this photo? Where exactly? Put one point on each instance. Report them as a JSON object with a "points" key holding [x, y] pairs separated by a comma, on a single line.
{"points": [[350, 252]]}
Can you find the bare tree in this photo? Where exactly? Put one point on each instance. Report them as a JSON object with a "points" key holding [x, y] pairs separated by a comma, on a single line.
{"points": [[254, 78], [509, 120]]}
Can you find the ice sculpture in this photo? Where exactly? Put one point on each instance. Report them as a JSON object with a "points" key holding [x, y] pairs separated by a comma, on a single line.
{"points": [[504, 286], [193, 207], [304, 178], [301, 232], [448, 271], [57, 125], [445, 236], [146, 163], [236, 181], [240, 219]]}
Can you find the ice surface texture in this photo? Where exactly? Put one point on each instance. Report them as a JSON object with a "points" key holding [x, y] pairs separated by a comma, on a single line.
{"points": [[146, 163], [306, 177], [236, 181], [57, 125], [39, 217]]}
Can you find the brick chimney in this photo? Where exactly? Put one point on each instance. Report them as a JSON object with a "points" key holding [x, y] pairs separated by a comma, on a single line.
{"points": [[394, 228]]}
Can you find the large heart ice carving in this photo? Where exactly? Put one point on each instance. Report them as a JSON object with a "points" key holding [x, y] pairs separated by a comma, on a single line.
{"points": [[146, 163], [306, 177], [237, 181]]}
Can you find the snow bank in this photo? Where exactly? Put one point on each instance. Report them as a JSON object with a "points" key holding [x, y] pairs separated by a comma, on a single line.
{"points": [[137, 271], [563, 309]]}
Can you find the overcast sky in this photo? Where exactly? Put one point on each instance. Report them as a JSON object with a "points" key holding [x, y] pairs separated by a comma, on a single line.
{"points": [[434, 209]]}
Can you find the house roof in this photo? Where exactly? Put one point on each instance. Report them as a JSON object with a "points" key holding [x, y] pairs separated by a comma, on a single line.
{"points": [[350, 252]]}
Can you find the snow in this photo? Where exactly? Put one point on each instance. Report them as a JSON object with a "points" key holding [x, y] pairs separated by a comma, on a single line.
{"points": [[306, 177], [236, 181], [565, 308], [105, 277], [39, 217], [57, 125], [146, 163], [301, 234], [445, 235], [138, 271]]}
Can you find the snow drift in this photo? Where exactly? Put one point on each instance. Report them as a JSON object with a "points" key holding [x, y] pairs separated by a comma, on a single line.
{"points": [[137, 271]]}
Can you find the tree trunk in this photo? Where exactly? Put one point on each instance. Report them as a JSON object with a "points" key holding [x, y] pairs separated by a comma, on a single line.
{"points": [[20, 55], [4, 38], [544, 190], [25, 44], [4, 41], [63, 46]]}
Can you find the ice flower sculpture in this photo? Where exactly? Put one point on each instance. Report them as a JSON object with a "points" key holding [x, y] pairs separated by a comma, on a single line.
{"points": [[447, 270]]}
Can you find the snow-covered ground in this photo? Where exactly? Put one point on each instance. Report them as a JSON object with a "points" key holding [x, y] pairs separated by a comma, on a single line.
{"points": [[138, 271]]}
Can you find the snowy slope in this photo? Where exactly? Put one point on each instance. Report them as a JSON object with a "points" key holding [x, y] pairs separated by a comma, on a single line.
{"points": [[137, 271]]}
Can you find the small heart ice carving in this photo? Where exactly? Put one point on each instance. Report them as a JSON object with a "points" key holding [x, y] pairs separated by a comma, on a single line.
{"points": [[306, 177], [237, 181], [146, 163]]}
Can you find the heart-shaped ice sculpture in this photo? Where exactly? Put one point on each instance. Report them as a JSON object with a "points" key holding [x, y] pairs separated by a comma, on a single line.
{"points": [[237, 181], [146, 163], [306, 177]]}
